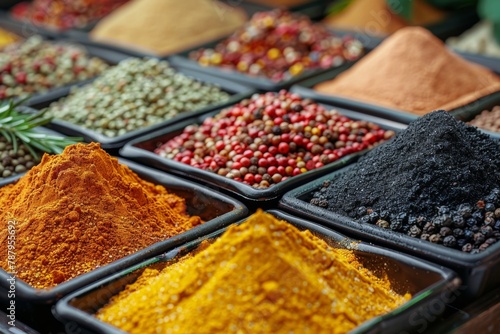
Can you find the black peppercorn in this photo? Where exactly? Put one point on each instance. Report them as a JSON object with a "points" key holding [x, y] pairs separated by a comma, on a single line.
{"points": [[449, 241], [467, 248], [382, 223], [445, 231], [435, 238], [479, 238], [414, 231]]}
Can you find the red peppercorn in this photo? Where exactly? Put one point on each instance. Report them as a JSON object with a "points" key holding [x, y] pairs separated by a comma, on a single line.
{"points": [[283, 148]]}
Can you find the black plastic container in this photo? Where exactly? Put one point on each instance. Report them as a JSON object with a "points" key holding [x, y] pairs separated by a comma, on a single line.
{"points": [[109, 56], [215, 209], [305, 88], [141, 149], [479, 272], [428, 283], [237, 92]]}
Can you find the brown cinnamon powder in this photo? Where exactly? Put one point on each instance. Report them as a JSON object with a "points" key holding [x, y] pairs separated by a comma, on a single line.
{"points": [[414, 71]]}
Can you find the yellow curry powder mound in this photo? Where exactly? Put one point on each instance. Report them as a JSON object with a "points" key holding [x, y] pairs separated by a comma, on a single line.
{"points": [[80, 210], [263, 276]]}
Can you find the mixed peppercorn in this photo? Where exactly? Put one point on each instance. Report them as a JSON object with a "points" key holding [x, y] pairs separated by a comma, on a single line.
{"points": [[270, 137], [36, 66], [63, 14], [132, 95], [279, 45]]}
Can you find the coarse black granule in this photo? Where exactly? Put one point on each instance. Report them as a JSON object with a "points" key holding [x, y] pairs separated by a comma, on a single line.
{"points": [[437, 161]]}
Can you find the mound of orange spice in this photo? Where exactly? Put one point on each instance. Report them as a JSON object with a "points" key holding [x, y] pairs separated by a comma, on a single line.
{"points": [[263, 276], [80, 210]]}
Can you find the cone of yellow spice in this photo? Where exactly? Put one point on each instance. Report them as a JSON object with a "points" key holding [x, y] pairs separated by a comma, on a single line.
{"points": [[263, 276]]}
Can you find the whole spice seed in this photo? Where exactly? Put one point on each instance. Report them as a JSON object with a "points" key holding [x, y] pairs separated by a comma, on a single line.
{"points": [[132, 95], [439, 174], [168, 26], [80, 210], [14, 162], [413, 71], [270, 137], [36, 66], [280, 45], [303, 285], [488, 120], [63, 14]]}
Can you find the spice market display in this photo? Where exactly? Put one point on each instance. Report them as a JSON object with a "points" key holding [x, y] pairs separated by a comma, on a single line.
{"points": [[111, 210], [412, 71], [132, 95], [81, 221], [61, 14], [279, 45], [271, 137], [34, 66], [304, 285], [158, 29]]}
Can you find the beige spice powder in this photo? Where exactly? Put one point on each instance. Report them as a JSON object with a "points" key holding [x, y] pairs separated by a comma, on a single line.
{"points": [[164, 27]]}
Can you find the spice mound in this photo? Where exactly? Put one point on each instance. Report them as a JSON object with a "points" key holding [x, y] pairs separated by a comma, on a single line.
{"points": [[375, 17], [134, 94], [438, 180], [36, 66], [263, 276], [63, 14], [80, 210], [279, 45], [270, 137], [413, 71], [488, 120], [168, 26]]}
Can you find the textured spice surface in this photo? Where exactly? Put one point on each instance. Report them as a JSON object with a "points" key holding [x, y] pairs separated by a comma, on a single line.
{"points": [[375, 17], [264, 276], [81, 210], [168, 26], [413, 71], [135, 94], [436, 180]]}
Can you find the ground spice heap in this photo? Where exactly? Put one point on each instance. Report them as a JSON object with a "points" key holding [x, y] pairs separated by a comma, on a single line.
{"points": [[376, 18], [134, 94], [413, 71], [80, 210], [168, 26], [303, 285], [36, 66], [63, 14], [280, 45], [488, 120], [438, 180], [270, 137], [7, 38]]}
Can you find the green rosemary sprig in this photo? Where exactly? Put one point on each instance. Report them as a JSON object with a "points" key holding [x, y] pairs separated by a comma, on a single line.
{"points": [[15, 125]]}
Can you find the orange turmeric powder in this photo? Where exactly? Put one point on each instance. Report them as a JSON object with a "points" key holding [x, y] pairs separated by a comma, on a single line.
{"points": [[81, 210], [263, 276]]}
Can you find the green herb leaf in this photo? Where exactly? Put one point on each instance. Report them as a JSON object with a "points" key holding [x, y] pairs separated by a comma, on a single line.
{"points": [[17, 126], [338, 6], [402, 8], [490, 10]]}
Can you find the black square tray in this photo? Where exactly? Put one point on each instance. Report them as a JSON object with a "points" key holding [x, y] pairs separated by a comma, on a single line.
{"points": [[428, 283], [479, 272], [237, 92], [215, 209], [141, 149]]}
